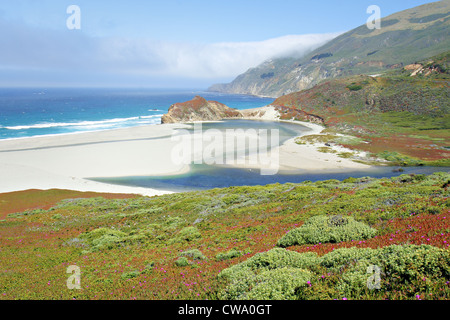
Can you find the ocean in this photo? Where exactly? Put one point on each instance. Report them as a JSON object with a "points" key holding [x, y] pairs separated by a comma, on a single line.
{"points": [[37, 112]]}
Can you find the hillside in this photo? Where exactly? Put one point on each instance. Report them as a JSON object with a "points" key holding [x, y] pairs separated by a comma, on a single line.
{"points": [[404, 38], [304, 241], [405, 111]]}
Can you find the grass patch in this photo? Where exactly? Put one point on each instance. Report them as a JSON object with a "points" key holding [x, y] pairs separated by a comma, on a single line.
{"points": [[346, 155], [326, 150], [324, 229], [316, 138]]}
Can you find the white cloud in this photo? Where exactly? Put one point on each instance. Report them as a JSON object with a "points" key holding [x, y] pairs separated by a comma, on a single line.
{"points": [[216, 60], [25, 48]]}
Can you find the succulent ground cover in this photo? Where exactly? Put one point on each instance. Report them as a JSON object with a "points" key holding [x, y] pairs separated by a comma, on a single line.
{"points": [[182, 246]]}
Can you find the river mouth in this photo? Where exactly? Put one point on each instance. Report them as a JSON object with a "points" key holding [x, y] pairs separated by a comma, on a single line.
{"points": [[209, 176], [204, 177]]}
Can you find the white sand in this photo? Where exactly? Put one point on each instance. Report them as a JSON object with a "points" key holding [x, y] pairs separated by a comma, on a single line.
{"points": [[67, 161], [308, 157], [263, 113], [295, 157]]}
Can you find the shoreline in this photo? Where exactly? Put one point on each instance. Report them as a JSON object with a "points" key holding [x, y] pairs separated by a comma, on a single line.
{"points": [[290, 152], [68, 161]]}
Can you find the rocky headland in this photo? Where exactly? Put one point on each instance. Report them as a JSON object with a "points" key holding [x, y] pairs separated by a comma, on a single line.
{"points": [[199, 109]]}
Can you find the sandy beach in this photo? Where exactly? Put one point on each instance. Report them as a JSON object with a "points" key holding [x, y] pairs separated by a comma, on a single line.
{"points": [[65, 161], [68, 161], [293, 156]]}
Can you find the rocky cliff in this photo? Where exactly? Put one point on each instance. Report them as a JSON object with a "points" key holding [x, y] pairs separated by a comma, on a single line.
{"points": [[199, 109]]}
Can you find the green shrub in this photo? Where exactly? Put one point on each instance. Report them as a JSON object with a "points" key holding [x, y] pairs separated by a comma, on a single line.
{"points": [[277, 284], [103, 238], [130, 275], [232, 198], [148, 267], [275, 274], [406, 178], [240, 282], [272, 259], [187, 234], [277, 258], [283, 274], [233, 253], [193, 254], [411, 261], [341, 258], [354, 87], [27, 213], [433, 210], [346, 155], [402, 265], [182, 262], [324, 229]]}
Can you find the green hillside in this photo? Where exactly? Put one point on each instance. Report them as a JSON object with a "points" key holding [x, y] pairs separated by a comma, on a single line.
{"points": [[294, 241], [403, 115], [404, 38]]}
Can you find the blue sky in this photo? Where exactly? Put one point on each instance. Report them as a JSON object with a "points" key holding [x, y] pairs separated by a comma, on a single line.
{"points": [[165, 43]]}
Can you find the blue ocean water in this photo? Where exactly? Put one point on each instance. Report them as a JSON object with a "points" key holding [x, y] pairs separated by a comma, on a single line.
{"points": [[36, 112]]}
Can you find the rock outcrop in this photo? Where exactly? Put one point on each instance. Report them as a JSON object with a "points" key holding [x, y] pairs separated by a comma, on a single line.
{"points": [[199, 109]]}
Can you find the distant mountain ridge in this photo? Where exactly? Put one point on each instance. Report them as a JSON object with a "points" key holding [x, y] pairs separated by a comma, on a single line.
{"points": [[404, 38]]}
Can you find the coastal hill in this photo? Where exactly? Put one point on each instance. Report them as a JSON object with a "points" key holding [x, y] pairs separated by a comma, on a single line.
{"points": [[404, 38], [405, 111], [198, 109]]}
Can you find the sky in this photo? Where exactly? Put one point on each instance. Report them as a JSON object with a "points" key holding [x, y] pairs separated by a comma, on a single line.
{"points": [[170, 43]]}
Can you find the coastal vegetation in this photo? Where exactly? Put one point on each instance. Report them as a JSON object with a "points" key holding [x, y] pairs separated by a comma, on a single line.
{"points": [[327, 229], [402, 116], [235, 243], [383, 95]]}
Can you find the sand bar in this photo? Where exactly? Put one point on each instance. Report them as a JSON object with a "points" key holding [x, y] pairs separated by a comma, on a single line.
{"points": [[307, 158]]}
